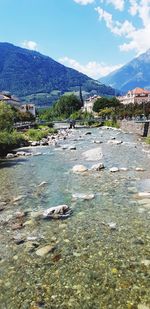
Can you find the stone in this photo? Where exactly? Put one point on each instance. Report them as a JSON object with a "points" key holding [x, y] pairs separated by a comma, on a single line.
{"points": [[144, 194], [97, 142], [83, 196], [18, 198], [10, 155], [145, 262], [20, 153], [45, 250], [73, 147], [97, 167], [20, 214], [139, 241], [57, 212], [79, 169], [124, 169], [112, 225], [115, 142], [93, 154], [114, 169], [35, 143], [43, 183], [17, 226], [139, 169]]}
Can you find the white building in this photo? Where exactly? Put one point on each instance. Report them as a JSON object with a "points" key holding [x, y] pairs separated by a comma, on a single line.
{"points": [[28, 108], [135, 96], [88, 103]]}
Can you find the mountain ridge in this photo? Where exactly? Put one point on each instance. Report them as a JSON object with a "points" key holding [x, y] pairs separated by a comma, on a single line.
{"points": [[135, 73], [29, 74]]}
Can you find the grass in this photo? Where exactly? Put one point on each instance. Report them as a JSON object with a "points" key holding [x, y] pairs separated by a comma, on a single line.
{"points": [[38, 134], [111, 123]]}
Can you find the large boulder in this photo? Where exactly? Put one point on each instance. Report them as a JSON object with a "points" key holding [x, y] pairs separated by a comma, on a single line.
{"points": [[57, 212], [94, 154], [79, 169], [97, 167]]}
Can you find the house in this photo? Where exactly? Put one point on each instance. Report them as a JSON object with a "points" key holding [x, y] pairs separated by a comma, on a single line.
{"points": [[12, 100], [88, 104], [15, 102], [30, 108], [135, 96]]}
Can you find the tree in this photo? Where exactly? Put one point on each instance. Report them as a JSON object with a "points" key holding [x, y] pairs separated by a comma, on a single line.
{"points": [[104, 102], [6, 117], [63, 108]]}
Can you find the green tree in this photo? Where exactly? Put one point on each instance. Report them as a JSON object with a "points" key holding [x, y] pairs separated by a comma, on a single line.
{"points": [[63, 108], [6, 117]]}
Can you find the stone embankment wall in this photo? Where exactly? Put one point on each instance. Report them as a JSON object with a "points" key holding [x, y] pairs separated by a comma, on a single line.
{"points": [[132, 126]]}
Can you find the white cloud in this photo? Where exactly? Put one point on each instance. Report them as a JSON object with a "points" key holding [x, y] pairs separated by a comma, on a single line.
{"points": [[116, 27], [92, 68], [30, 45], [84, 2], [136, 38], [118, 4], [133, 7]]}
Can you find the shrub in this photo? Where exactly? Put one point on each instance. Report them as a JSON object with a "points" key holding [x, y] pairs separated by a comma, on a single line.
{"points": [[37, 134], [9, 141], [111, 123]]}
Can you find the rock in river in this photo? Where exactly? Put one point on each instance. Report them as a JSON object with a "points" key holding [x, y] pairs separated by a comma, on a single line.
{"points": [[97, 167], [79, 169], [57, 212], [45, 250], [114, 169], [83, 196], [93, 154]]}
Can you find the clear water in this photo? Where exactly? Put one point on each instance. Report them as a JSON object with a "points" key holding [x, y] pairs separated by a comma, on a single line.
{"points": [[92, 266]]}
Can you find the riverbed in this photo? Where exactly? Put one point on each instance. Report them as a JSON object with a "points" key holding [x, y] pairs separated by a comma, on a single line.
{"points": [[100, 255]]}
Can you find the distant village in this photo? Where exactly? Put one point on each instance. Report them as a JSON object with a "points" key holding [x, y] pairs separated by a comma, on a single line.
{"points": [[134, 96], [14, 101]]}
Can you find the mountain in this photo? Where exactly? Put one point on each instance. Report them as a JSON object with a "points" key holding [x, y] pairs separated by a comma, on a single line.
{"points": [[35, 77], [136, 73]]}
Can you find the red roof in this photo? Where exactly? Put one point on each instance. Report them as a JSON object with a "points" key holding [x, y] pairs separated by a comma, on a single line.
{"points": [[138, 91]]}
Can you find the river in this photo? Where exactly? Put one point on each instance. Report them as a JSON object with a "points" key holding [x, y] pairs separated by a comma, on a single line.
{"points": [[100, 255]]}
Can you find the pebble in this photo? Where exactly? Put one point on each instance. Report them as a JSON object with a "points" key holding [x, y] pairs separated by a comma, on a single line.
{"points": [[114, 169]]}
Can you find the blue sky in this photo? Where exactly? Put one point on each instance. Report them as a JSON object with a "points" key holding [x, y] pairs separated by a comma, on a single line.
{"points": [[92, 36]]}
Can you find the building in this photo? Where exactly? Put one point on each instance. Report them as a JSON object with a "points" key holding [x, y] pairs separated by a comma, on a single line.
{"points": [[88, 104], [15, 102], [30, 108], [12, 100], [135, 96]]}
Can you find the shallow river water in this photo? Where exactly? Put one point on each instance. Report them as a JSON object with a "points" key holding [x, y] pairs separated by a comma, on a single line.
{"points": [[100, 255]]}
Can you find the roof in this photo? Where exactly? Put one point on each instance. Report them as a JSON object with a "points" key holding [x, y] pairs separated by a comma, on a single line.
{"points": [[139, 91]]}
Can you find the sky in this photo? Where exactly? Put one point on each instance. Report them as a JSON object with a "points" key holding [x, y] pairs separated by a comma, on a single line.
{"points": [[92, 36]]}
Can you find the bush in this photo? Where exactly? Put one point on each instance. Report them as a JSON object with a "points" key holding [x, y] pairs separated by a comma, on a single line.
{"points": [[111, 123], [9, 141], [37, 134]]}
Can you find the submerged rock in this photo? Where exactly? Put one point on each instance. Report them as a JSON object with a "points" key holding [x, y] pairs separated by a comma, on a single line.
{"points": [[139, 169], [43, 183], [57, 212], [115, 142], [79, 169], [114, 169], [45, 250], [93, 154], [97, 167], [144, 194], [83, 196]]}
